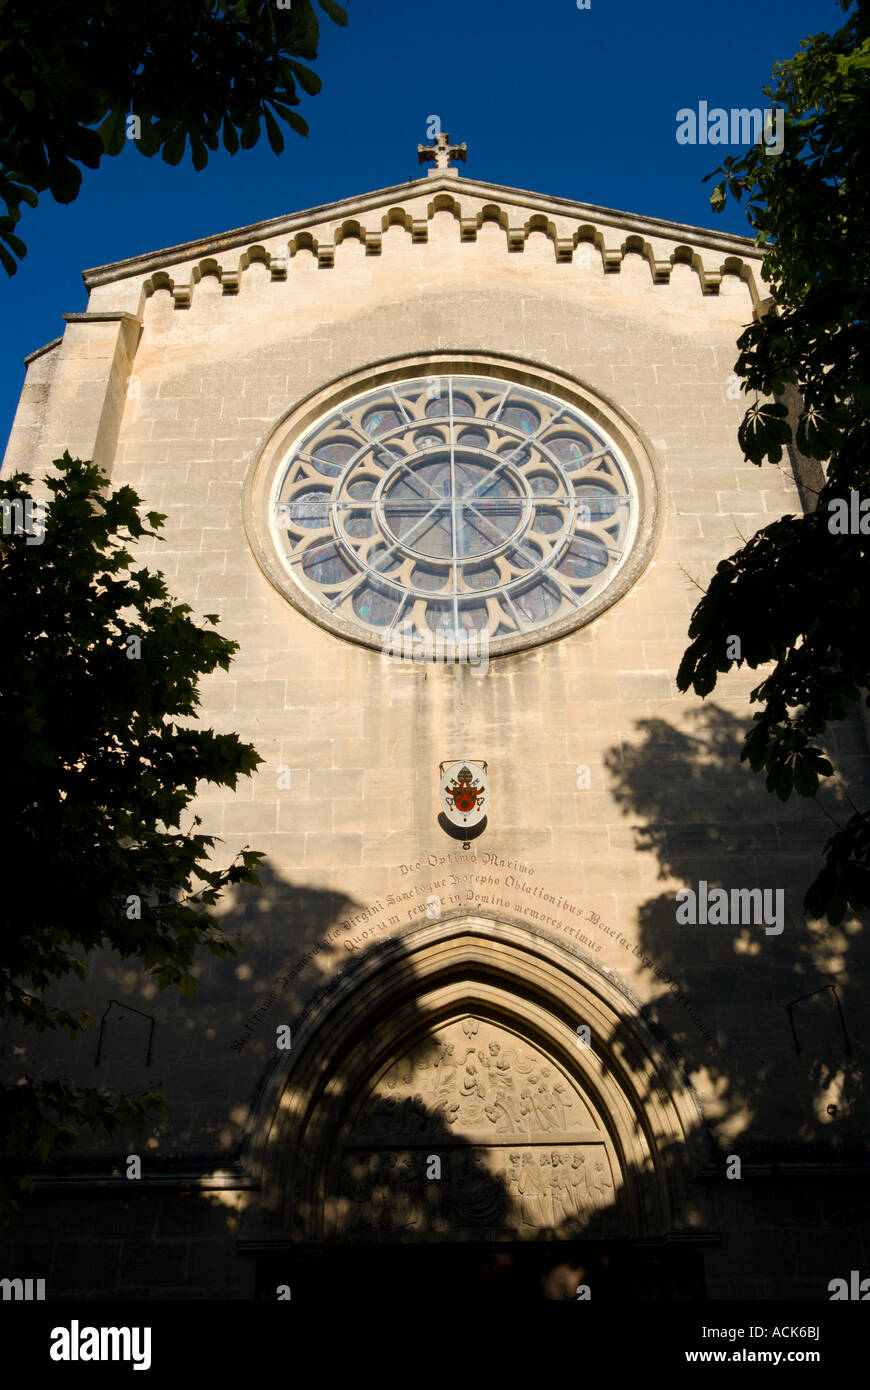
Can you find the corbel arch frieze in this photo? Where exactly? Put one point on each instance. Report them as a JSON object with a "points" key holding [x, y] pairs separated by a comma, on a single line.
{"points": [[709, 278], [564, 233], [417, 227]]}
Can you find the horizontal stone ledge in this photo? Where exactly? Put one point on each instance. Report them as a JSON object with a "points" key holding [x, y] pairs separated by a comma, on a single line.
{"points": [[717, 1174], [102, 316], [464, 1140], [227, 1180]]}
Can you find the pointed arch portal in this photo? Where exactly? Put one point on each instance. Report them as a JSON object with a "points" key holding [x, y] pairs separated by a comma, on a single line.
{"points": [[444, 1092]]}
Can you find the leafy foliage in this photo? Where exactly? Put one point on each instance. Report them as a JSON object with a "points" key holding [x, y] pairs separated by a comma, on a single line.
{"points": [[191, 70], [796, 594], [101, 760]]}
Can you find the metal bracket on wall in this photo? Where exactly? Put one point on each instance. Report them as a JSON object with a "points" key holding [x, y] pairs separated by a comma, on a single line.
{"points": [[812, 995], [131, 1010]]}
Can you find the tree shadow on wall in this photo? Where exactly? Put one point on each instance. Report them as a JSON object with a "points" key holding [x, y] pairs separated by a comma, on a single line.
{"points": [[517, 1237], [786, 1072], [528, 1222]]}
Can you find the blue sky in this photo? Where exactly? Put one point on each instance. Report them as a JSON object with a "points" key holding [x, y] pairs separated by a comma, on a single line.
{"points": [[577, 103]]}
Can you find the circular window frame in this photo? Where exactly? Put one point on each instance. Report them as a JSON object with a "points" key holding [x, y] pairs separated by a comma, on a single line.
{"points": [[271, 453]]}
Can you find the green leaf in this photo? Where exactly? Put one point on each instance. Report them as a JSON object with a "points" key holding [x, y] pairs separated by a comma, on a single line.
{"points": [[14, 243], [148, 142], [113, 131], [297, 122], [806, 781], [64, 180], [335, 12], [173, 150], [198, 152], [273, 131], [230, 136], [250, 130], [784, 783], [308, 80]]}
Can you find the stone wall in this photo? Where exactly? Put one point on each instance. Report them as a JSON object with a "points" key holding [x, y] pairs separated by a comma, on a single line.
{"points": [[179, 408]]}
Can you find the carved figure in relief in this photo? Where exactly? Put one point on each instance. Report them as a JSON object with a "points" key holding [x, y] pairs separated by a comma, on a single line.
{"points": [[560, 1103], [447, 1113], [369, 1189], [502, 1064], [530, 1119], [472, 1081], [446, 1071], [406, 1205], [561, 1193], [381, 1192], [511, 1180], [540, 1099], [579, 1184], [356, 1193], [504, 1113], [600, 1184], [532, 1193], [478, 1198], [546, 1177]]}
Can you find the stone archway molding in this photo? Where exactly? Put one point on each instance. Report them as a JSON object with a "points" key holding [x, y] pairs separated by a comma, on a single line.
{"points": [[633, 1105]]}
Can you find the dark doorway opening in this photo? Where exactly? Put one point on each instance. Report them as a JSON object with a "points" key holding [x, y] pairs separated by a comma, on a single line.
{"points": [[504, 1272]]}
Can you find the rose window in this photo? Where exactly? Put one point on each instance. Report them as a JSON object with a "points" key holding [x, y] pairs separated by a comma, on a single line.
{"points": [[453, 505]]}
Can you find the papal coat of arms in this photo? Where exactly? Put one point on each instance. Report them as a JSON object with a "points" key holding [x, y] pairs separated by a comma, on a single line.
{"points": [[464, 793]]}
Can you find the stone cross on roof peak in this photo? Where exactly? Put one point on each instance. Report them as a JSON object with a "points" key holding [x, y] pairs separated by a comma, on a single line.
{"points": [[441, 153]]}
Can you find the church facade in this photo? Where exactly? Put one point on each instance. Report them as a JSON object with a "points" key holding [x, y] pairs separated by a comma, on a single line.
{"points": [[527, 984]]}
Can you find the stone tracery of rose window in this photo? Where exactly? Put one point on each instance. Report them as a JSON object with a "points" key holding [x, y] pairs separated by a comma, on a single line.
{"points": [[453, 505]]}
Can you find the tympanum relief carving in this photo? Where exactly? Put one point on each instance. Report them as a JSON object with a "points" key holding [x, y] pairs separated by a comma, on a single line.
{"points": [[519, 1150]]}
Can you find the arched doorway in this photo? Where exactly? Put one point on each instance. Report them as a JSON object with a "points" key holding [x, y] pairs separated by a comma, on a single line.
{"points": [[440, 1096]]}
